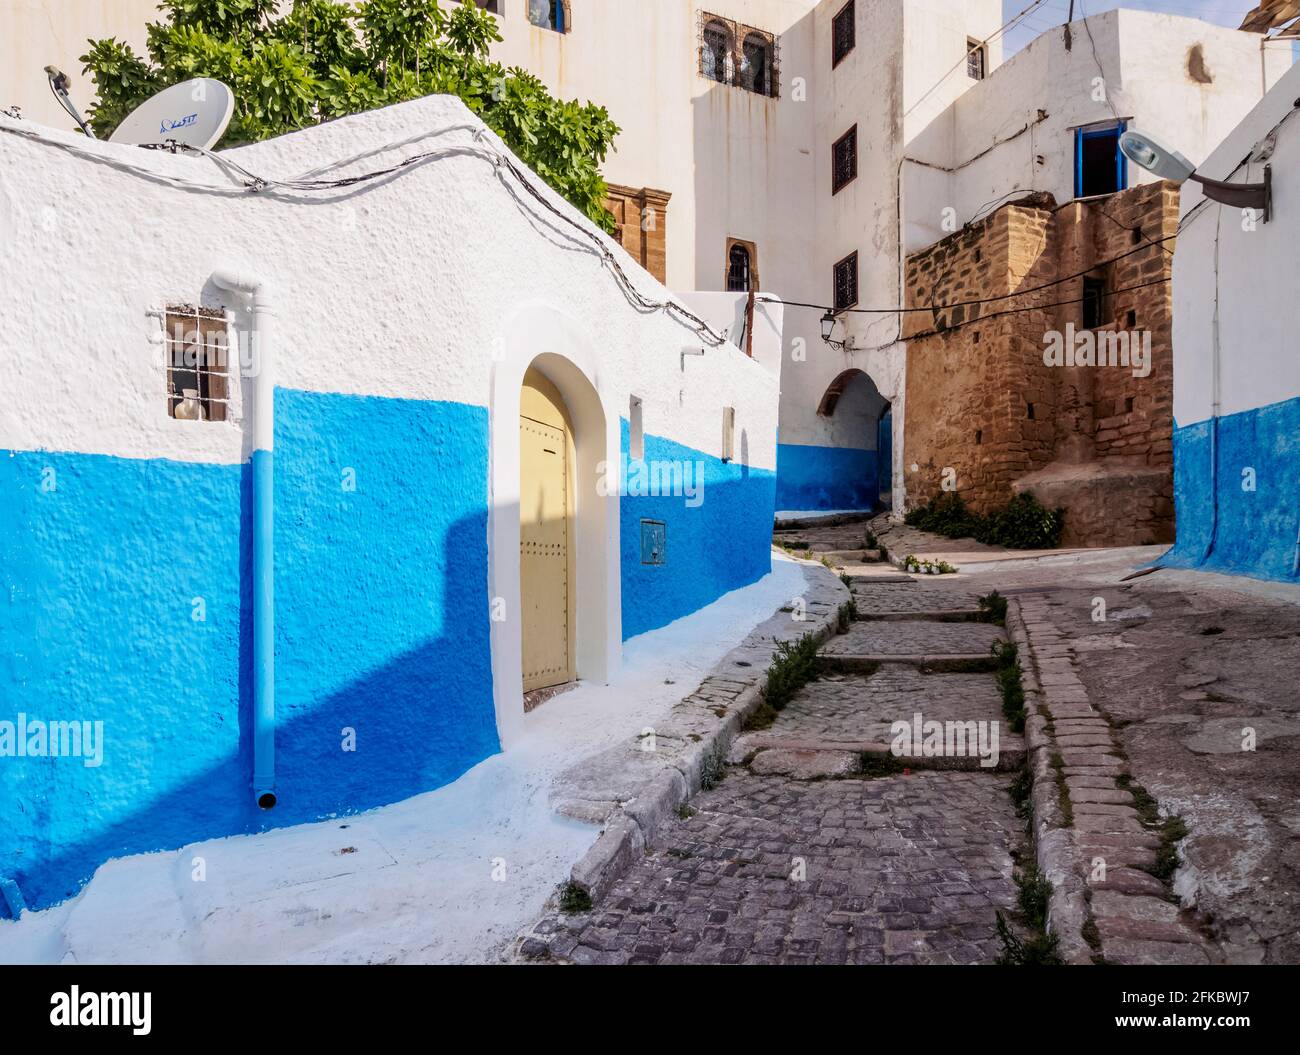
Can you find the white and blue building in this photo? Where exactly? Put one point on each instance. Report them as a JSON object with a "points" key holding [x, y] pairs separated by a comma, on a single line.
{"points": [[297, 584], [1237, 356]]}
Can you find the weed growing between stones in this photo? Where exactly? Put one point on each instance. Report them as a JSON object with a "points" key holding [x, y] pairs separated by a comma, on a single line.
{"points": [[927, 567], [875, 764], [713, 769], [793, 666], [686, 811], [1038, 948], [847, 614], [574, 898], [993, 608], [1022, 786], [1005, 654], [1062, 792], [1171, 829]]}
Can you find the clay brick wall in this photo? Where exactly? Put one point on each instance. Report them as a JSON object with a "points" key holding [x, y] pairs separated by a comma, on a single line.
{"points": [[642, 216], [980, 399]]}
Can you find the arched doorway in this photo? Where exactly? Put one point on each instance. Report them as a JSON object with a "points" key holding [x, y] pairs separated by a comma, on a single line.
{"points": [[547, 562], [860, 421]]}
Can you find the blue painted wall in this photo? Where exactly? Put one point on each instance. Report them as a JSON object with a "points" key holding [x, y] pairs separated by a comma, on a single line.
{"points": [[1257, 530], [722, 544], [811, 478], [382, 626]]}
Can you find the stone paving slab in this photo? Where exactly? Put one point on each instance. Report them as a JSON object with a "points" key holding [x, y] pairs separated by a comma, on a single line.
{"points": [[863, 707], [885, 600], [770, 870], [915, 638]]}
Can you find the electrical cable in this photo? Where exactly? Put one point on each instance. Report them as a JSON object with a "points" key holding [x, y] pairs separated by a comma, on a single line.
{"points": [[248, 182]]}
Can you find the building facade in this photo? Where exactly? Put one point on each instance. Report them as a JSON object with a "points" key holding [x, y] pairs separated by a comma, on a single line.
{"points": [[482, 466], [1236, 375]]}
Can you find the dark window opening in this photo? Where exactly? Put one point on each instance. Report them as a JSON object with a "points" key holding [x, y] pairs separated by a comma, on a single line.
{"points": [[549, 14], [1094, 303], [979, 437], [844, 160], [975, 55], [844, 34], [1099, 166], [197, 346], [739, 55], [715, 53], [1131, 319], [1029, 409], [846, 282], [1128, 404], [739, 268], [756, 65]]}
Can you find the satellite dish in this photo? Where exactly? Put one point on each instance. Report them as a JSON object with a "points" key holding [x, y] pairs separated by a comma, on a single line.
{"points": [[194, 113]]}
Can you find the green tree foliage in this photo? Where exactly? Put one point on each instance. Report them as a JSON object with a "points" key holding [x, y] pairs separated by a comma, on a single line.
{"points": [[322, 59]]}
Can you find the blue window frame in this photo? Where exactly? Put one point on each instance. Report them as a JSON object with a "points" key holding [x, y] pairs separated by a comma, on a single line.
{"points": [[1099, 165]]}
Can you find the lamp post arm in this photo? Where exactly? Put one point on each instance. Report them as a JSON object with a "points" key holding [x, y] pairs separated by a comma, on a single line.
{"points": [[1241, 195]]}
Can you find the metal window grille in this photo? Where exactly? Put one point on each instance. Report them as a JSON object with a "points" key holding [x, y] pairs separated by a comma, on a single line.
{"points": [[846, 282], [738, 269], [196, 343], [844, 160], [739, 55], [975, 59], [844, 33]]}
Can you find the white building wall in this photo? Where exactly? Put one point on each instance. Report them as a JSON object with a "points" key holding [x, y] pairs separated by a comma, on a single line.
{"points": [[1032, 105], [1248, 272], [39, 33]]}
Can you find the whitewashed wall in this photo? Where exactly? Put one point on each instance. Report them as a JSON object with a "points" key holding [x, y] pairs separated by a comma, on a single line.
{"points": [[1144, 62], [1251, 276]]}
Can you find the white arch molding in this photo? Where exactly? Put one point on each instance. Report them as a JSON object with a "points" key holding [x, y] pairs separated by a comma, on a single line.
{"points": [[539, 335]]}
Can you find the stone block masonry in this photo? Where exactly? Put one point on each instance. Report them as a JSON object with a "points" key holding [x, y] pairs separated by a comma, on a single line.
{"points": [[982, 400]]}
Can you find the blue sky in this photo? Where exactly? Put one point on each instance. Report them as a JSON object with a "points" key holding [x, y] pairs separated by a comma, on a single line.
{"points": [[1054, 12]]}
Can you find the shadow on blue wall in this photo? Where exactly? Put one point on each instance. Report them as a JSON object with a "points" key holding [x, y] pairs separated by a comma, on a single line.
{"points": [[1258, 505], [382, 627]]}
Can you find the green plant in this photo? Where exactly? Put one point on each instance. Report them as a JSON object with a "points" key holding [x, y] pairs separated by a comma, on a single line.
{"points": [[844, 618], [1005, 655], [686, 812], [322, 59], [993, 607], [574, 898], [927, 567], [876, 764], [1023, 523], [1039, 950], [712, 770], [793, 666], [1022, 787], [1171, 829], [1032, 894]]}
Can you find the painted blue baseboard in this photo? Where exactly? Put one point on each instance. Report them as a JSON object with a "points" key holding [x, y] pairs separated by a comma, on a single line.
{"points": [[1257, 530], [719, 545], [810, 478], [128, 600]]}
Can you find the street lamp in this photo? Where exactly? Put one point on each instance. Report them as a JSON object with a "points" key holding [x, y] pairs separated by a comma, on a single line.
{"points": [[1168, 164], [828, 325]]}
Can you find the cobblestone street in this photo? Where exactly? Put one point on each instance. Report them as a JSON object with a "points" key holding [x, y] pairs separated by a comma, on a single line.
{"points": [[798, 855]]}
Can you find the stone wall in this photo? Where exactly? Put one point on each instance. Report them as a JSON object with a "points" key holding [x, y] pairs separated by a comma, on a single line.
{"points": [[983, 402], [642, 215]]}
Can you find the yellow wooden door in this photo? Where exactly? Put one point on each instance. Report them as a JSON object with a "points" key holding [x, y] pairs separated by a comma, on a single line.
{"points": [[545, 530]]}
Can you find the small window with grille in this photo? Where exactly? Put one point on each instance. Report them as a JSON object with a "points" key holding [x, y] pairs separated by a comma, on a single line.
{"points": [[844, 160], [196, 343], [846, 282], [844, 33], [741, 269], [975, 59]]}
